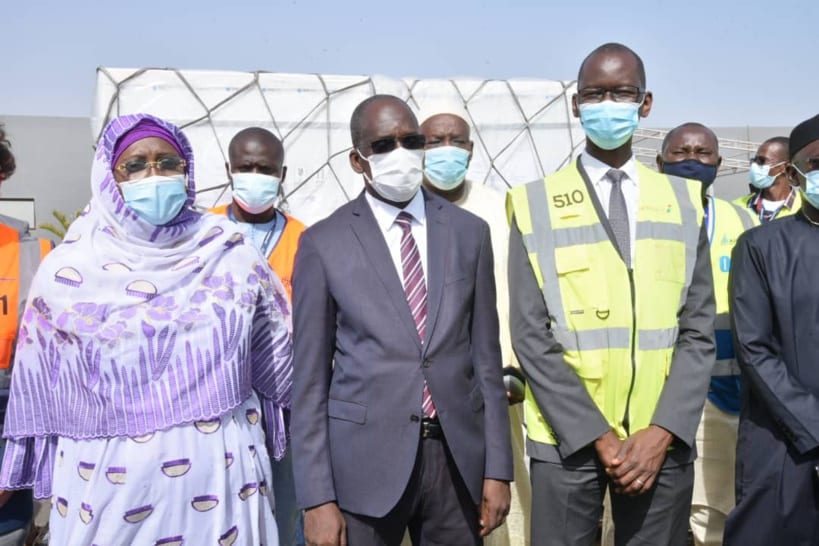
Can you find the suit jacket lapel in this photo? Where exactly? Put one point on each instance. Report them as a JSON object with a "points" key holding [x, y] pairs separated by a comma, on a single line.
{"points": [[369, 234], [437, 257]]}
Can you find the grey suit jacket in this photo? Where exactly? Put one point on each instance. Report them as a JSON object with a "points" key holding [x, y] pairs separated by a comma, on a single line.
{"points": [[559, 391], [360, 365]]}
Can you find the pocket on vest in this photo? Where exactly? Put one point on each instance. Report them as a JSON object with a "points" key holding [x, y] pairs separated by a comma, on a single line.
{"points": [[575, 276]]}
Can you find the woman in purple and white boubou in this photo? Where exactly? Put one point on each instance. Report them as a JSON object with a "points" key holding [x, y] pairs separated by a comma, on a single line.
{"points": [[153, 343]]}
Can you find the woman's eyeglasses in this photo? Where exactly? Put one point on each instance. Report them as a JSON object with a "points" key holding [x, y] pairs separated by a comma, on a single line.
{"points": [[166, 164]]}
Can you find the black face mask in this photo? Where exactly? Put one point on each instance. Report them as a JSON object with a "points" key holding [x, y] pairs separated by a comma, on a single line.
{"points": [[693, 169]]}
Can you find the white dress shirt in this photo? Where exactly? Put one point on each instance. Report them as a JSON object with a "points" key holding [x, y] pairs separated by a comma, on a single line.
{"points": [[385, 216], [597, 170]]}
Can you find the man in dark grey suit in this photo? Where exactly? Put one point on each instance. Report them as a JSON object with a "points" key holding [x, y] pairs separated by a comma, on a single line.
{"points": [[400, 414]]}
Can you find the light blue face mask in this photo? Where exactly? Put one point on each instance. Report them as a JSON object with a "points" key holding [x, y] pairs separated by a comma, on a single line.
{"points": [[156, 199], [811, 189], [760, 175], [609, 124], [255, 192], [445, 166]]}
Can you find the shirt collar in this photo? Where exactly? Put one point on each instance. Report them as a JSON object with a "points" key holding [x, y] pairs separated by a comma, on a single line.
{"points": [[756, 200], [385, 214], [596, 169]]}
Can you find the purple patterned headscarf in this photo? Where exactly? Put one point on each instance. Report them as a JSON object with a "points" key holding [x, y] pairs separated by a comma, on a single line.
{"points": [[146, 128], [131, 328]]}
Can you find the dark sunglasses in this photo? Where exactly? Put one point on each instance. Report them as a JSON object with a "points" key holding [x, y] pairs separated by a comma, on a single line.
{"points": [[410, 142], [761, 160]]}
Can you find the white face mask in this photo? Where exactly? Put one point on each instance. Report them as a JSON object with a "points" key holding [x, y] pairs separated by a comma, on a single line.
{"points": [[397, 175], [255, 192]]}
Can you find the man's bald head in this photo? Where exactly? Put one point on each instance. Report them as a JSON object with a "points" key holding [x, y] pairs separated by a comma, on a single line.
{"points": [[775, 150], [609, 50], [368, 109], [255, 137], [679, 133]]}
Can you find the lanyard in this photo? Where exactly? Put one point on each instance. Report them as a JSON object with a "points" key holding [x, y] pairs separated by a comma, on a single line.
{"points": [[268, 237], [710, 219]]}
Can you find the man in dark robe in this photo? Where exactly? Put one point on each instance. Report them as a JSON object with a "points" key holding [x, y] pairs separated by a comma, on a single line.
{"points": [[775, 311]]}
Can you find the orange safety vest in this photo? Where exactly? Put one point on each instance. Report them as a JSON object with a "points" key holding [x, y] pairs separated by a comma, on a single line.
{"points": [[283, 257], [19, 258]]}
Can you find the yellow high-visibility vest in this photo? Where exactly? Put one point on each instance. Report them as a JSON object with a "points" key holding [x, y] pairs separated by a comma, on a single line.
{"points": [[742, 202], [617, 327], [726, 222]]}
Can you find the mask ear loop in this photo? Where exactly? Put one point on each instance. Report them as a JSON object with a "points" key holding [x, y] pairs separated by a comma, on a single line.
{"points": [[790, 181], [640, 105], [784, 171], [367, 178], [189, 193], [281, 200]]}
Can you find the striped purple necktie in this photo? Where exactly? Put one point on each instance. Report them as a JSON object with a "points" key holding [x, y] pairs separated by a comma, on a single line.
{"points": [[415, 289]]}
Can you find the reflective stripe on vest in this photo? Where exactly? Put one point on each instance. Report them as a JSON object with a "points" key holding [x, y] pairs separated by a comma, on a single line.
{"points": [[282, 258], [18, 263], [729, 221], [587, 288]]}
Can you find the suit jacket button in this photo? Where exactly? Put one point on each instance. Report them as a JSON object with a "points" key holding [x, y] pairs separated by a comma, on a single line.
{"points": [[427, 363], [414, 418]]}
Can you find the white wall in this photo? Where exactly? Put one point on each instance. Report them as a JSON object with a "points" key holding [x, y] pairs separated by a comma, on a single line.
{"points": [[53, 163]]}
